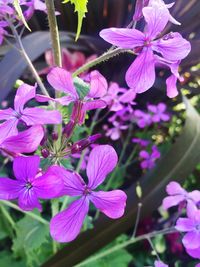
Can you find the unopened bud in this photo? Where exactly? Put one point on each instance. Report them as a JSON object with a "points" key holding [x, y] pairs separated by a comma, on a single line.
{"points": [[55, 136], [45, 153], [82, 144]]}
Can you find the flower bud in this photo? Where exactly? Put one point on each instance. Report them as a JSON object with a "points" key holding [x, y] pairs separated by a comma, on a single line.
{"points": [[45, 153], [82, 144]]}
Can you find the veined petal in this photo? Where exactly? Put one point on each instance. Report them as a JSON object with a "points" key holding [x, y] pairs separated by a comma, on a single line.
{"points": [[171, 201], [28, 200], [111, 203], [185, 225], [73, 183], [94, 104], [98, 85], [66, 225], [172, 46], [49, 185], [25, 142], [156, 18], [24, 93], [26, 168], [6, 114], [128, 96], [102, 160], [141, 74], [172, 90], [124, 38], [8, 128], [36, 116], [61, 80], [9, 189]]}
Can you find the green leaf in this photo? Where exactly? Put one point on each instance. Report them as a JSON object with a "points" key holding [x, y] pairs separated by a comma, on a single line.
{"points": [[81, 9], [81, 87], [18, 9], [6, 259]]}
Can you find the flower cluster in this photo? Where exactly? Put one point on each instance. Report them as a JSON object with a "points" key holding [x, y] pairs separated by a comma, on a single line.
{"points": [[189, 224]]}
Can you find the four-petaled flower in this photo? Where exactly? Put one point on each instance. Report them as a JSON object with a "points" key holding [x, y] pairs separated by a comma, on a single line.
{"points": [[173, 48], [158, 112], [30, 116], [66, 225], [149, 159], [30, 185]]}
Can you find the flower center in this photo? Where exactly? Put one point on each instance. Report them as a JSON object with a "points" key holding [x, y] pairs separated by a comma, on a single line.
{"points": [[28, 185], [86, 191]]}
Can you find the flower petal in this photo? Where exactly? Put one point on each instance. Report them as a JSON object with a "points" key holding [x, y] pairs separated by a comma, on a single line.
{"points": [[24, 93], [36, 116], [174, 188], [66, 225], [26, 168], [171, 201], [98, 85], [172, 46], [73, 183], [102, 160], [128, 96], [25, 142], [61, 80], [191, 240], [185, 225], [160, 264], [94, 104], [28, 200], [8, 128], [156, 18], [48, 185], [111, 203], [195, 196], [124, 38], [172, 90], [6, 114], [9, 189], [141, 74], [195, 253]]}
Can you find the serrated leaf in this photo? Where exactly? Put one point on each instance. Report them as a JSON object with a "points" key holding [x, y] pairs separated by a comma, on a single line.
{"points": [[81, 9], [20, 14], [82, 87]]}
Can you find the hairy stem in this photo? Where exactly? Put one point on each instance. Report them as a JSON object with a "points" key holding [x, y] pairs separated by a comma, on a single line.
{"points": [[107, 55]]}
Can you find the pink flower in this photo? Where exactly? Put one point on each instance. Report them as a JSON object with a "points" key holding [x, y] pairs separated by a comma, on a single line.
{"points": [[66, 225], [30, 116], [158, 112], [115, 131], [141, 142], [173, 48], [177, 195], [29, 186], [142, 118], [149, 159]]}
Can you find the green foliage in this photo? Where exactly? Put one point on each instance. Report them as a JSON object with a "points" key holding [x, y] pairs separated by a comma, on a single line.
{"points": [[81, 87], [81, 9], [31, 236], [18, 9], [7, 259]]}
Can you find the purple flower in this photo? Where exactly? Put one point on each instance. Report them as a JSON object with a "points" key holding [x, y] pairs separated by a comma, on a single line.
{"points": [[24, 142], [30, 116], [190, 225], [142, 118], [149, 158], [178, 195], [160, 264], [29, 185], [141, 142], [158, 112], [61, 80], [173, 48], [115, 131], [66, 225]]}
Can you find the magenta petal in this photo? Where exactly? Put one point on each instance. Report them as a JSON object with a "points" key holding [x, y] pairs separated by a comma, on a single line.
{"points": [[185, 225], [191, 240], [25, 142], [28, 200], [24, 93], [8, 128], [160, 264], [128, 96], [6, 114], [172, 46], [73, 182], [61, 80], [195, 253], [171, 201], [102, 160], [25, 168], [156, 18], [172, 90], [174, 188], [94, 104], [141, 74], [36, 116], [48, 185], [124, 38], [9, 189], [43, 98], [111, 203], [98, 85], [66, 225], [194, 195]]}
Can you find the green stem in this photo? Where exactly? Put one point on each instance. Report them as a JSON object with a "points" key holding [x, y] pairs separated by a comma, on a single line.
{"points": [[54, 211], [125, 244], [64, 204], [107, 55], [30, 214], [137, 220]]}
